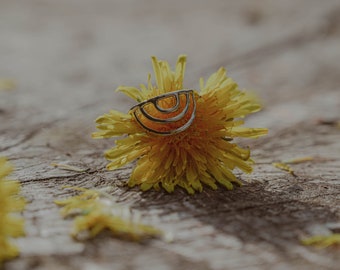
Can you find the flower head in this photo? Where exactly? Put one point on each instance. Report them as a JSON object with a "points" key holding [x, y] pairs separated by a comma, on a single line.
{"points": [[181, 137], [10, 203]]}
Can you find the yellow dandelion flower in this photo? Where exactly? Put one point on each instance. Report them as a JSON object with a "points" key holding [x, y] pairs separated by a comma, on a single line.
{"points": [[95, 212], [10, 204], [181, 137]]}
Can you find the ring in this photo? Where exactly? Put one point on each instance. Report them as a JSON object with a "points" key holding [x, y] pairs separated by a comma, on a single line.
{"points": [[167, 114]]}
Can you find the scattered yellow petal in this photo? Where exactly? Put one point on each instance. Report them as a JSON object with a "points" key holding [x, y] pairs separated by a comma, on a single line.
{"points": [[300, 160], [95, 212], [322, 241], [284, 167], [11, 203], [68, 167], [191, 149], [7, 84]]}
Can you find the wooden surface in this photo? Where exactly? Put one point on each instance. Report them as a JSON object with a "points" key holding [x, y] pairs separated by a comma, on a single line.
{"points": [[66, 57]]}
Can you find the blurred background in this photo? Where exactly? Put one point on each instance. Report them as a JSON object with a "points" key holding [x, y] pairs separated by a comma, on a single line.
{"points": [[66, 54]]}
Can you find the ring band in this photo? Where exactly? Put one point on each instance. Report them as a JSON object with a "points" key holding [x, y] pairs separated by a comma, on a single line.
{"points": [[167, 114]]}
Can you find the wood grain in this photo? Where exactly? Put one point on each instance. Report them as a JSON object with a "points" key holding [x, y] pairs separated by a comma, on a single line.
{"points": [[66, 57]]}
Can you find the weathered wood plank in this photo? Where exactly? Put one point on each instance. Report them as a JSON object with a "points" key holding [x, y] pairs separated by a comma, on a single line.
{"points": [[66, 56]]}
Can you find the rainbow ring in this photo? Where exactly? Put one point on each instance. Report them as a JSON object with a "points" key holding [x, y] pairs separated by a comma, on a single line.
{"points": [[167, 114]]}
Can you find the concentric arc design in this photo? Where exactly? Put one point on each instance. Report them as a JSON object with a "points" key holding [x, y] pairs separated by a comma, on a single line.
{"points": [[155, 116]]}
